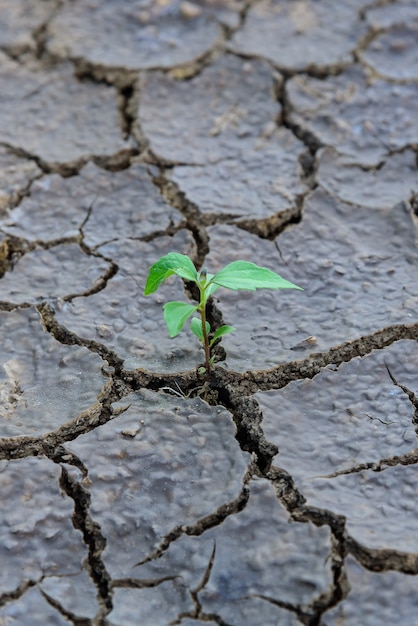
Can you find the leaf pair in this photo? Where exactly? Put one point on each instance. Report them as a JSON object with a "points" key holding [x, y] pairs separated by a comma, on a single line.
{"points": [[236, 275]]}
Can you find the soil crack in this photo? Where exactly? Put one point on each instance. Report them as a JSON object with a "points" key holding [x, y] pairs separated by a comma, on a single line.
{"points": [[198, 613], [95, 543], [67, 337], [204, 523]]}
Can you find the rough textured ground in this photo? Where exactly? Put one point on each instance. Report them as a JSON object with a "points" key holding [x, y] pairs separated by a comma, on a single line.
{"points": [[283, 491]]}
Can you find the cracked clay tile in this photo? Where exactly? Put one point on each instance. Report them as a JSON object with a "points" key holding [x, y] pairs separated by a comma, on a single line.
{"points": [[394, 54], [392, 14], [16, 174], [222, 113], [343, 418], [228, 590], [257, 185], [363, 259], [76, 593], [40, 382], [18, 21], [126, 204], [379, 188], [287, 33], [352, 285], [380, 508], [123, 204], [376, 598], [122, 318], [158, 605], [253, 550], [358, 268], [34, 605], [139, 35], [164, 462], [54, 273], [364, 120], [54, 210], [35, 526], [51, 115]]}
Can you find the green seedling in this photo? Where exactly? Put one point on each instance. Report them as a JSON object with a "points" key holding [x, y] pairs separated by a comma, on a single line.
{"points": [[237, 275]]}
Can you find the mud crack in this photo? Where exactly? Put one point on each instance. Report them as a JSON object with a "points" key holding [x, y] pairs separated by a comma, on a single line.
{"points": [[295, 503], [51, 444], [409, 458], [411, 396], [68, 615], [17, 593], [279, 376], [198, 613], [204, 523], [383, 560], [95, 543], [247, 417], [194, 218], [67, 337]]}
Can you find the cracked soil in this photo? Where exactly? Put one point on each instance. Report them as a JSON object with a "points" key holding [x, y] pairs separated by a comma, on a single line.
{"points": [[282, 491]]}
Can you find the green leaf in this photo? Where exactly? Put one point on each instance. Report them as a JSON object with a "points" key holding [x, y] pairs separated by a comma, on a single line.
{"points": [[171, 263], [176, 315], [210, 289], [246, 275], [222, 330], [196, 328]]}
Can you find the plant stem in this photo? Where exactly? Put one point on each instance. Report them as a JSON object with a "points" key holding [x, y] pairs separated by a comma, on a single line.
{"points": [[206, 340]]}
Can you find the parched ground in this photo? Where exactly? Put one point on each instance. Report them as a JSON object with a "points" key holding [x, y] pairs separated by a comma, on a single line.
{"points": [[284, 490]]}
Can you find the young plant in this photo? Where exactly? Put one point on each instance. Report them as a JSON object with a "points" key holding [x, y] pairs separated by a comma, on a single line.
{"points": [[236, 275]]}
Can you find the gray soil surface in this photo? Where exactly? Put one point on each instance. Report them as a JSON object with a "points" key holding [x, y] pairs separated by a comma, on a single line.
{"points": [[281, 491]]}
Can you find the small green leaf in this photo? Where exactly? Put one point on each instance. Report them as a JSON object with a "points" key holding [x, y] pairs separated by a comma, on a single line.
{"points": [[246, 275], [171, 263], [176, 315], [196, 328], [222, 330]]}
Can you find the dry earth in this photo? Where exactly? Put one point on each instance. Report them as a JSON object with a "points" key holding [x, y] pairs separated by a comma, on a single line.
{"points": [[283, 491]]}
